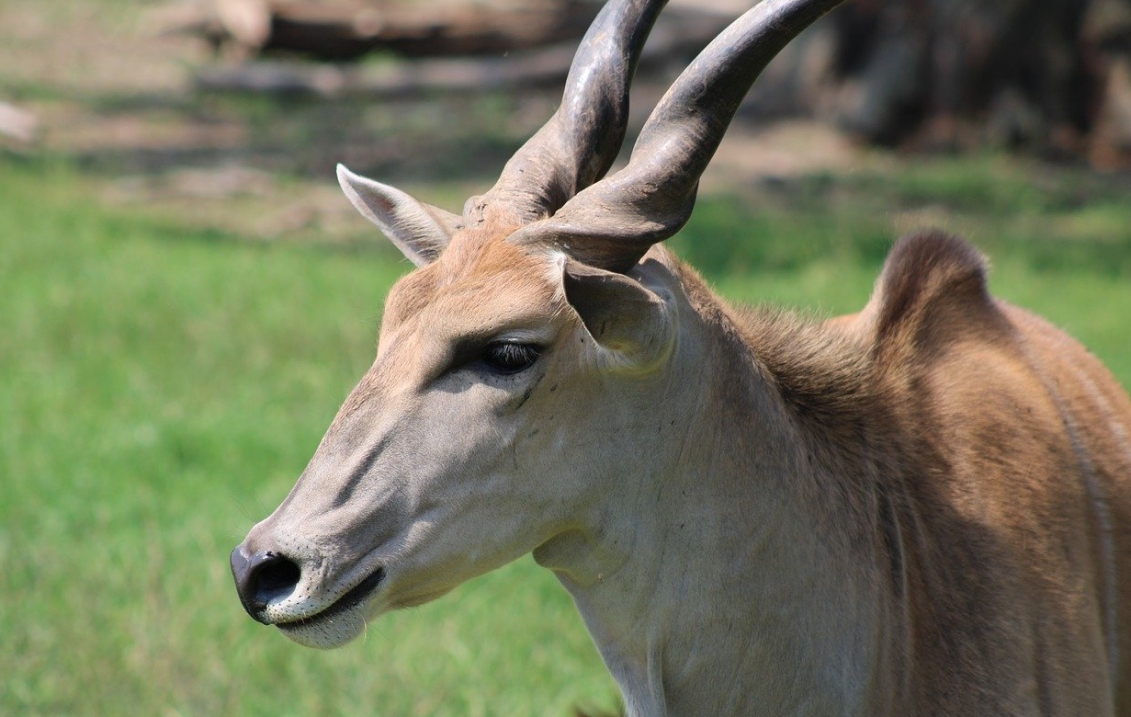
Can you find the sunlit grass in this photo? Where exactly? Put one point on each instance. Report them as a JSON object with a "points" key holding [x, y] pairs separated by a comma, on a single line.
{"points": [[161, 386], [159, 392]]}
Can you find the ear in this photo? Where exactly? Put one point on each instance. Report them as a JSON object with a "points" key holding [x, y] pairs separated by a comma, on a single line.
{"points": [[419, 230], [635, 324]]}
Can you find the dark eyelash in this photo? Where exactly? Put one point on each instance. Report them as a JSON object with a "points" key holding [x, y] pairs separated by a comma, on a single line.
{"points": [[509, 357]]}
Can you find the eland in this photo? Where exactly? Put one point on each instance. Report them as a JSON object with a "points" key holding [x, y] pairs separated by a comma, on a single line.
{"points": [[920, 509]]}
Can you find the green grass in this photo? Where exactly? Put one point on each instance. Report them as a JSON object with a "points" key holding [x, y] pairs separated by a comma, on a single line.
{"points": [[160, 390], [161, 387]]}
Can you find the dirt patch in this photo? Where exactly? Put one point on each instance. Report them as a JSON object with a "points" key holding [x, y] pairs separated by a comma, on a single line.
{"points": [[117, 98], [786, 150]]}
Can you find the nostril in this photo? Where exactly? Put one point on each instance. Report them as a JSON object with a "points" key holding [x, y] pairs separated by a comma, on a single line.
{"points": [[275, 575], [261, 578]]}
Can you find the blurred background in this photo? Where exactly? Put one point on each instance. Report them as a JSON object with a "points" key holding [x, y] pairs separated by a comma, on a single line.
{"points": [[185, 297]]}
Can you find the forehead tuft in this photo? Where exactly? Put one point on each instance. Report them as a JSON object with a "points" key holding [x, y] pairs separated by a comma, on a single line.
{"points": [[478, 269]]}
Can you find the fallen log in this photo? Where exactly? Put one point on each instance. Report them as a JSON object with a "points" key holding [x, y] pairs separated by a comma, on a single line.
{"points": [[17, 123], [1046, 76], [682, 33], [413, 30], [348, 29]]}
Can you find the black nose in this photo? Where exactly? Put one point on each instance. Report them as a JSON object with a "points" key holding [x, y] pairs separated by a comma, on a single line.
{"points": [[261, 577]]}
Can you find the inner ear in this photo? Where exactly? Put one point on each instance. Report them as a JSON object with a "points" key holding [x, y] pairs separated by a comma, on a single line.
{"points": [[622, 315], [419, 230]]}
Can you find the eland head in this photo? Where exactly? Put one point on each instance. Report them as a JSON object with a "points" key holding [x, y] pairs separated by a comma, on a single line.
{"points": [[920, 509]]}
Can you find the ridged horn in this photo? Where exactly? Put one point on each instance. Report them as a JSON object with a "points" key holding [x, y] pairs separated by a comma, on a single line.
{"points": [[612, 223], [578, 144]]}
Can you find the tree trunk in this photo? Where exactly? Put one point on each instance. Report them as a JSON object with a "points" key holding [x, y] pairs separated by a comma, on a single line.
{"points": [[1049, 74]]}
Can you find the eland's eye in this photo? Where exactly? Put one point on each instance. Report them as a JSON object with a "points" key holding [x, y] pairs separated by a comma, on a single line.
{"points": [[505, 357]]}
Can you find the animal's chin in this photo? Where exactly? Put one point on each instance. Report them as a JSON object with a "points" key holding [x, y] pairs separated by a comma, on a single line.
{"points": [[326, 633]]}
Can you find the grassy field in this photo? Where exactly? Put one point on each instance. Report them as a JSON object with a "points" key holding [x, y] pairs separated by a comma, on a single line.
{"points": [[171, 352], [159, 392], [162, 384]]}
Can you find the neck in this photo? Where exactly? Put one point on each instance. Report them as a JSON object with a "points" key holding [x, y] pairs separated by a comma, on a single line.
{"points": [[717, 583]]}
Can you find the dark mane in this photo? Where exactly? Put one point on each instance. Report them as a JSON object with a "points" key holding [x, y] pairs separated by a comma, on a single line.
{"points": [[931, 294], [822, 373]]}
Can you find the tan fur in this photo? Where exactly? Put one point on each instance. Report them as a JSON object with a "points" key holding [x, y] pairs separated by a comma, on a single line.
{"points": [[985, 454], [920, 509]]}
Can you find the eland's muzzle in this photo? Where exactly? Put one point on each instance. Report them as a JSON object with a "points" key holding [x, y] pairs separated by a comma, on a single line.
{"points": [[262, 577]]}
